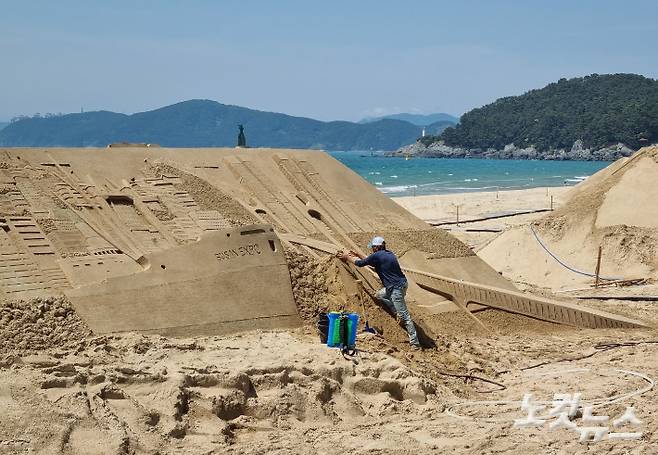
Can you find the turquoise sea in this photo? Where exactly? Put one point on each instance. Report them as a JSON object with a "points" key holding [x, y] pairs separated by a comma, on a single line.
{"points": [[400, 177]]}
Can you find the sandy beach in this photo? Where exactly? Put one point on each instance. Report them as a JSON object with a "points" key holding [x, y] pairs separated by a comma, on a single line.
{"points": [[443, 207], [496, 210], [181, 317]]}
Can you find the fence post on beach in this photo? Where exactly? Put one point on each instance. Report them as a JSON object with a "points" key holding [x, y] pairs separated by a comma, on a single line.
{"points": [[598, 268], [551, 202]]}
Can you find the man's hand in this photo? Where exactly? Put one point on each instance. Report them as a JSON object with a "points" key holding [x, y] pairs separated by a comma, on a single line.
{"points": [[340, 254], [358, 255], [345, 257]]}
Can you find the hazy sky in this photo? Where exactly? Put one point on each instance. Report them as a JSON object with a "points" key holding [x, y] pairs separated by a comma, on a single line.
{"points": [[323, 59]]}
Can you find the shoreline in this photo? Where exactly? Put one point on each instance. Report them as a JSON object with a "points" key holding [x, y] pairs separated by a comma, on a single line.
{"points": [[400, 178], [391, 154], [466, 190]]}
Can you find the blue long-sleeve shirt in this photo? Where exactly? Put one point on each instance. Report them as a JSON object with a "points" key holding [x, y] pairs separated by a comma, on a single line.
{"points": [[387, 267]]}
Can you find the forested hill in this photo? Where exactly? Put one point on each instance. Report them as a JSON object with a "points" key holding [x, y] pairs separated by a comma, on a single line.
{"points": [[599, 110], [204, 123]]}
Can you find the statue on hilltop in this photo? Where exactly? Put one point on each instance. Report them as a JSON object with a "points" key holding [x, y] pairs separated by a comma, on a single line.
{"points": [[242, 140]]}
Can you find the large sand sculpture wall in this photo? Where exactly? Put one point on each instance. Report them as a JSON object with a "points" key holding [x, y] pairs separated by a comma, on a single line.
{"points": [[98, 223]]}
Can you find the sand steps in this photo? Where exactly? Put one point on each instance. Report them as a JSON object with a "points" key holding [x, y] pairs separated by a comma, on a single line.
{"points": [[184, 229], [56, 278], [18, 273], [209, 220], [30, 233], [179, 202], [68, 194], [516, 302]]}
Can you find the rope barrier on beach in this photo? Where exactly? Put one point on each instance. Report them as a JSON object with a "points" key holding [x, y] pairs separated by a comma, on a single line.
{"points": [[563, 264]]}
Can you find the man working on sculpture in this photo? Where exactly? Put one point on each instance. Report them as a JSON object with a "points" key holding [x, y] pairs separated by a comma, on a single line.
{"points": [[395, 283]]}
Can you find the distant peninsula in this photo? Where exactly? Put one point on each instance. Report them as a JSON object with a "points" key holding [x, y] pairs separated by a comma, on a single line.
{"points": [[206, 123], [596, 117]]}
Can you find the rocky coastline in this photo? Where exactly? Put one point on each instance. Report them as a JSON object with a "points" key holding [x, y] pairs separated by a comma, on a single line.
{"points": [[578, 152]]}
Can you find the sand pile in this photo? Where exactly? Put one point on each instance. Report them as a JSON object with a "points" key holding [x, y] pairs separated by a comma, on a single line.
{"points": [[38, 324], [437, 242], [614, 209], [323, 285], [309, 285], [149, 394]]}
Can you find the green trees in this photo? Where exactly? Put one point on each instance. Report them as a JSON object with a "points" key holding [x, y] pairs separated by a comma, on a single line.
{"points": [[598, 109]]}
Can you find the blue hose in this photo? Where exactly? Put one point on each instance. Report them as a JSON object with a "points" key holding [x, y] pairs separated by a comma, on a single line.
{"points": [[566, 266]]}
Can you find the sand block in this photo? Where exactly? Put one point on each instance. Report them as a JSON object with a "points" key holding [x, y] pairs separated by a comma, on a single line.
{"points": [[228, 281], [107, 208], [624, 204]]}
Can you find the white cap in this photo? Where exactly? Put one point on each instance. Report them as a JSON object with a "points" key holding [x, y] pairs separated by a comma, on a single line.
{"points": [[376, 241]]}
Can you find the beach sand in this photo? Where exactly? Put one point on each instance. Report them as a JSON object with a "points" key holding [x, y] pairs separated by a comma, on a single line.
{"points": [[441, 209], [283, 392]]}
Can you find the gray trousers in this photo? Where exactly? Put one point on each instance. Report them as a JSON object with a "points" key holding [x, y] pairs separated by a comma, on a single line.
{"points": [[394, 299]]}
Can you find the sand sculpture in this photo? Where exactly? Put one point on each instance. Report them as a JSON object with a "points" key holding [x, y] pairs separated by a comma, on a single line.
{"points": [[615, 209], [191, 241]]}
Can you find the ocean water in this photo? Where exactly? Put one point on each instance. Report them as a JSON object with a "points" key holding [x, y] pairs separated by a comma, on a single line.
{"points": [[400, 177]]}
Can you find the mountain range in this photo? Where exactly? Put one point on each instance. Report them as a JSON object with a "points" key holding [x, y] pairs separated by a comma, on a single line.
{"points": [[206, 123], [417, 119]]}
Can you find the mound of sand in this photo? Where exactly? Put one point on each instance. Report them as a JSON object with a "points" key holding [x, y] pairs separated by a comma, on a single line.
{"points": [[614, 209], [37, 324], [149, 394], [91, 223]]}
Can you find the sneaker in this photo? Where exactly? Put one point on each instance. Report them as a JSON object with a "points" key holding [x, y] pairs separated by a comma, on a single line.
{"points": [[416, 347]]}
